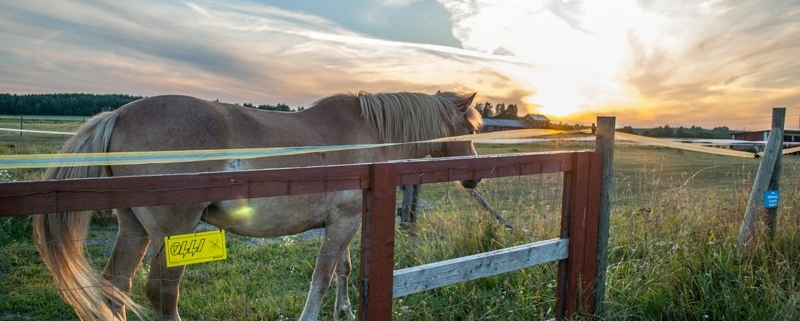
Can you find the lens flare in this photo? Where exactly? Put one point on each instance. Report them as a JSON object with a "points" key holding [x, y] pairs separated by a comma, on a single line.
{"points": [[242, 211]]}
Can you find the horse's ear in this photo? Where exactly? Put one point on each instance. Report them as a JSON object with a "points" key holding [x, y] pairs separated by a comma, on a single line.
{"points": [[467, 101], [438, 92]]}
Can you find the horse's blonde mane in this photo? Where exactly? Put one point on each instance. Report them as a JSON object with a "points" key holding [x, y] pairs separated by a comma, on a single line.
{"points": [[409, 117]]}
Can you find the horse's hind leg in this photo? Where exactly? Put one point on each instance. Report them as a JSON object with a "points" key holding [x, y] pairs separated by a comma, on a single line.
{"points": [[127, 254], [163, 282], [342, 309]]}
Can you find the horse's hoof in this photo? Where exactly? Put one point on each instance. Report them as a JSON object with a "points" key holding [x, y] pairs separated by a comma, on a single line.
{"points": [[344, 314]]}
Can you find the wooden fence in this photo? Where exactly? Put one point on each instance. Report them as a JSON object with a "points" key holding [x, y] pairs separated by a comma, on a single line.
{"points": [[576, 249]]}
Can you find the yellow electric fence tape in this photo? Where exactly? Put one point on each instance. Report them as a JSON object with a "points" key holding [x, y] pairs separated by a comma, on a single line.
{"points": [[36, 131], [673, 144], [161, 157], [156, 157], [185, 249]]}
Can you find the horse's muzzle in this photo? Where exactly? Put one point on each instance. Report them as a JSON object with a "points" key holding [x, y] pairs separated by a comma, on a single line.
{"points": [[470, 183]]}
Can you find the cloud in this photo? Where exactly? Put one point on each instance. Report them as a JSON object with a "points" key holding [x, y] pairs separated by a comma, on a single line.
{"points": [[234, 52], [717, 59], [679, 59], [80, 37]]}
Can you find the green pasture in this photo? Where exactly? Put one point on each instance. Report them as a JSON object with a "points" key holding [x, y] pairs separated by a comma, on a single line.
{"points": [[672, 252]]}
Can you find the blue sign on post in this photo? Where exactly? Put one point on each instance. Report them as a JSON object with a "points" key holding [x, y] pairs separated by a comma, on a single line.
{"points": [[771, 199]]}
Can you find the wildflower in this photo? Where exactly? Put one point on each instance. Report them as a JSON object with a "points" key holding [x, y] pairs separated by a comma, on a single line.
{"points": [[5, 176]]}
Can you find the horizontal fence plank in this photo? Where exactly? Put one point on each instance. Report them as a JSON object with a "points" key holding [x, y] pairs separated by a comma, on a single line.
{"points": [[422, 171], [434, 275], [52, 196]]}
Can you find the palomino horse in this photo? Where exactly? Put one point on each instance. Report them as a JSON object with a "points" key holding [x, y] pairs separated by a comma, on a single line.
{"points": [[185, 123]]}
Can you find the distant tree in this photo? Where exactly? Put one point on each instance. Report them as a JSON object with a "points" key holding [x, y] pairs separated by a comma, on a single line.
{"points": [[720, 132], [664, 131], [681, 132], [628, 129], [499, 110], [512, 111], [507, 111], [485, 109]]}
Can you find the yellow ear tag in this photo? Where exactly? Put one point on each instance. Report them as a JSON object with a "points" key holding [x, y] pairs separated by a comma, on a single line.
{"points": [[185, 249]]}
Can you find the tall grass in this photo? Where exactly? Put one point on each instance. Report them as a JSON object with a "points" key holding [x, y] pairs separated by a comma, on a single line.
{"points": [[672, 252]]}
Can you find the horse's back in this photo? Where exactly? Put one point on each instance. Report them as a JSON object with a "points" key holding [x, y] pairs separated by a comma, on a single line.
{"points": [[176, 122], [169, 123]]}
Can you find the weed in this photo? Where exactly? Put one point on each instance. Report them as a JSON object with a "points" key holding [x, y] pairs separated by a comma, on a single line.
{"points": [[16, 228]]}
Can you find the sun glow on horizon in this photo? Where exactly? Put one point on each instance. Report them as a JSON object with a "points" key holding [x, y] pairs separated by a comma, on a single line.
{"points": [[580, 54]]}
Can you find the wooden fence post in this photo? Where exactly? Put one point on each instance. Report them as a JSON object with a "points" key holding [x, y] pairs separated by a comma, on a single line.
{"points": [[765, 174], [579, 223], [377, 244], [604, 144], [778, 120]]}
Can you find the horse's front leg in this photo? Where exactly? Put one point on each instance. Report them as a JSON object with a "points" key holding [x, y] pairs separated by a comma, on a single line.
{"points": [[331, 256]]}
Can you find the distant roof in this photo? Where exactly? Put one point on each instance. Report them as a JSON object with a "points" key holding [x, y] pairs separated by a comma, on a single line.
{"points": [[537, 117], [504, 123]]}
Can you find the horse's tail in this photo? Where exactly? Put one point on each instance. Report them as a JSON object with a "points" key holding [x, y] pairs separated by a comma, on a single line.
{"points": [[60, 237]]}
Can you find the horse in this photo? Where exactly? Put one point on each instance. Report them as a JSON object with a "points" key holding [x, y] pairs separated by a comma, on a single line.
{"points": [[185, 123]]}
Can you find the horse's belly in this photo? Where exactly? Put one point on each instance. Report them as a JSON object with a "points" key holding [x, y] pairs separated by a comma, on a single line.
{"points": [[283, 215]]}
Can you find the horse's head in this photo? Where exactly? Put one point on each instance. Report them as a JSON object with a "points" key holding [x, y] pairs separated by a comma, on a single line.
{"points": [[469, 123], [417, 117]]}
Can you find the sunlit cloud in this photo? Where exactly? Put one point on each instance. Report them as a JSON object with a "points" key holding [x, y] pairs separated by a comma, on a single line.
{"points": [[677, 59]]}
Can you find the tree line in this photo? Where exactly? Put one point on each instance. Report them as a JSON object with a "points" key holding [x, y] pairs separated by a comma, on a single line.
{"points": [[278, 107], [499, 111], [82, 104], [61, 104], [666, 131]]}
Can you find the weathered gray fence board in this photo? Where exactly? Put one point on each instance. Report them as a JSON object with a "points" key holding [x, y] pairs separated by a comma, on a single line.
{"points": [[434, 275], [755, 203]]}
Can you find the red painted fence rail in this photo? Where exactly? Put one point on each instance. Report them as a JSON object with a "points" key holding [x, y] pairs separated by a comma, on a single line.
{"points": [[581, 199]]}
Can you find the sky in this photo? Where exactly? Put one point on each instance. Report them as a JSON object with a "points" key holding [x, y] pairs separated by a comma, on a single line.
{"points": [[647, 63]]}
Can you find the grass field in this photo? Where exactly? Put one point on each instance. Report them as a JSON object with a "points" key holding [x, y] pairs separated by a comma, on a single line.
{"points": [[672, 253]]}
